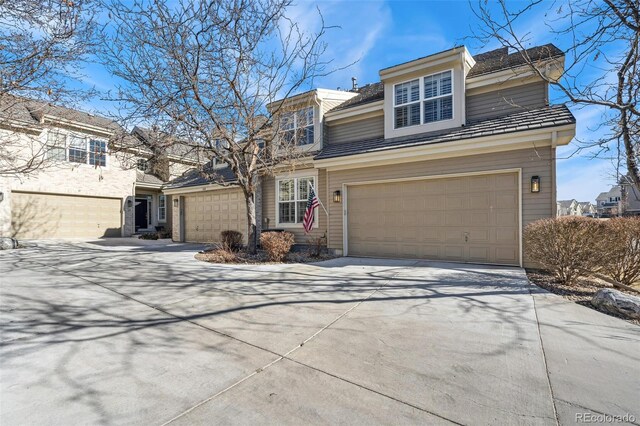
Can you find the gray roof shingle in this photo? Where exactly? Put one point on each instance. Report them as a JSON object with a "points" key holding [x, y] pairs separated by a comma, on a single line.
{"points": [[148, 178], [195, 177], [500, 59], [38, 109], [526, 120], [486, 62]]}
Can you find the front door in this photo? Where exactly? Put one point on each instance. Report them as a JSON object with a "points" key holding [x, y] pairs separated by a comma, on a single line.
{"points": [[142, 213]]}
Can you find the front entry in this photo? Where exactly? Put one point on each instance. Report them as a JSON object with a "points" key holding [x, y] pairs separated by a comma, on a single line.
{"points": [[142, 213]]}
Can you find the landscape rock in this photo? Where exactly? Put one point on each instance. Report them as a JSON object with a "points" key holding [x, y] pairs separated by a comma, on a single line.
{"points": [[8, 243], [617, 303]]}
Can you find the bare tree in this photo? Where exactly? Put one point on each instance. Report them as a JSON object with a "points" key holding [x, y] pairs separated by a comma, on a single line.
{"points": [[601, 66], [212, 75], [42, 45]]}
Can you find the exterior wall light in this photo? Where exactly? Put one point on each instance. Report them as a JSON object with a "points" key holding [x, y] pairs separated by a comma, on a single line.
{"points": [[1, 196], [129, 203], [175, 202], [535, 184], [337, 197]]}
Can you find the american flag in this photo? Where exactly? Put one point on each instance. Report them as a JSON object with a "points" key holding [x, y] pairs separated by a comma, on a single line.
{"points": [[312, 204]]}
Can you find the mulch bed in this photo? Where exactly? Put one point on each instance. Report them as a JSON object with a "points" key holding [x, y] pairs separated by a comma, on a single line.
{"points": [[216, 255], [581, 293]]}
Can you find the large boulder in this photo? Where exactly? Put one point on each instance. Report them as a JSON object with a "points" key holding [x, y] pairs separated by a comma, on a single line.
{"points": [[8, 243], [618, 303]]}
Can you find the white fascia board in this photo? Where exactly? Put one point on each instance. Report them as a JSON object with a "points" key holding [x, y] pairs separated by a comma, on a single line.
{"points": [[516, 73], [335, 94], [56, 120], [425, 63], [459, 148], [198, 188], [377, 106]]}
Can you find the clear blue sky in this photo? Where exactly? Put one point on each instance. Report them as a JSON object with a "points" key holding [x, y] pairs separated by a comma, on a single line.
{"points": [[377, 34]]}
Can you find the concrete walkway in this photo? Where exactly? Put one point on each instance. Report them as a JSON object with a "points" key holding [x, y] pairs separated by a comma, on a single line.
{"points": [[122, 331]]}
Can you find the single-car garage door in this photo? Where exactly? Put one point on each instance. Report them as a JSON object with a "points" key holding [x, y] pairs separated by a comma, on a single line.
{"points": [[468, 219], [38, 215], [206, 214]]}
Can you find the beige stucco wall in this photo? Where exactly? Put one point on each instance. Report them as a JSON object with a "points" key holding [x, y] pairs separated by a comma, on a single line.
{"points": [[532, 161], [65, 178]]}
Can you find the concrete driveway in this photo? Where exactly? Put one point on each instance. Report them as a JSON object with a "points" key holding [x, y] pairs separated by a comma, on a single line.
{"points": [[131, 332]]}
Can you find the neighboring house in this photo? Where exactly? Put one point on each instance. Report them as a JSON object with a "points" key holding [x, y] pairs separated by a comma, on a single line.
{"points": [[448, 157], [569, 208], [630, 197], [610, 203], [574, 207], [588, 208], [84, 188]]}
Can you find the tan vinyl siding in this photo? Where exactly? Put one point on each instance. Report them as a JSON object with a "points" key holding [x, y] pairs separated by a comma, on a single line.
{"points": [[506, 101], [329, 104], [532, 162], [269, 208], [368, 128]]}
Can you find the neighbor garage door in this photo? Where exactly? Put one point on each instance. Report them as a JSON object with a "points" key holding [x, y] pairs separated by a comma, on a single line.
{"points": [[37, 215], [208, 213], [468, 219]]}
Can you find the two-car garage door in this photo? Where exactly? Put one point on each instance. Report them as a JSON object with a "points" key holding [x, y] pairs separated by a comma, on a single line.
{"points": [[468, 218], [40, 215]]}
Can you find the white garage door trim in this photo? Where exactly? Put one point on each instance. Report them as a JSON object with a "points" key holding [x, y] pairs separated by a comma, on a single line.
{"points": [[345, 192]]}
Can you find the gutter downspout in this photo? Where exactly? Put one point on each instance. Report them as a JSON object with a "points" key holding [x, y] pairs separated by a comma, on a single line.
{"points": [[554, 196]]}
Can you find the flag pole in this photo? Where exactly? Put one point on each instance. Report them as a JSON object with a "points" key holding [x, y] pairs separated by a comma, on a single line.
{"points": [[316, 192]]}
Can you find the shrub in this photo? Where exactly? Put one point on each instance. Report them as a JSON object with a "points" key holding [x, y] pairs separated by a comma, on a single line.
{"points": [[569, 247], [622, 247], [220, 255], [276, 244], [149, 236], [231, 240], [317, 245]]}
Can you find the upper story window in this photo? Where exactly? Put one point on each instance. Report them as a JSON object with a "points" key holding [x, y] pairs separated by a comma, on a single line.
{"points": [[57, 146], [76, 149], [97, 152], [297, 126], [424, 100], [142, 165]]}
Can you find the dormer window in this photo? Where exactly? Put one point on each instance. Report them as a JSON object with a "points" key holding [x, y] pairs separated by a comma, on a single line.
{"points": [[297, 127], [424, 100]]}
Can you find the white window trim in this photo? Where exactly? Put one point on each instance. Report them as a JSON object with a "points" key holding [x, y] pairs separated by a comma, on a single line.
{"points": [[295, 175], [296, 128], [422, 100], [87, 138], [63, 147], [160, 197]]}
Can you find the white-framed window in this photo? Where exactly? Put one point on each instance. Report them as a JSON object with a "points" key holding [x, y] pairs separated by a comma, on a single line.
{"points": [[292, 196], [297, 127], [97, 152], [142, 165], [424, 100], [84, 150], [56, 146], [77, 149], [162, 208]]}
